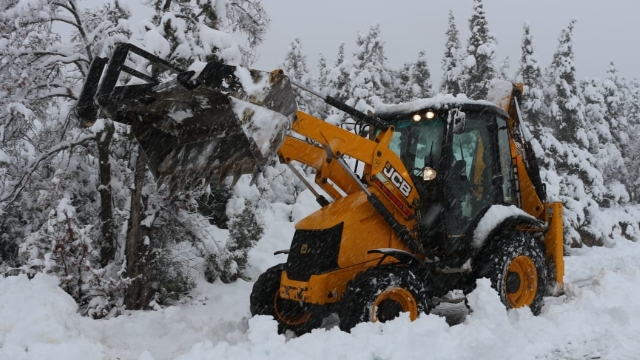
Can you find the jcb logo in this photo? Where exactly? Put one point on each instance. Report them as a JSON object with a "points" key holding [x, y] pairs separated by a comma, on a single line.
{"points": [[396, 179]]}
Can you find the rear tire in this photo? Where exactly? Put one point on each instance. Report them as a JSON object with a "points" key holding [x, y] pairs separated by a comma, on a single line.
{"points": [[381, 294], [291, 315], [518, 272]]}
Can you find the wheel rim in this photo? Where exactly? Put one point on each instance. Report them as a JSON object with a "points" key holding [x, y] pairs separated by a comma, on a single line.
{"points": [[290, 312], [521, 282], [391, 302]]}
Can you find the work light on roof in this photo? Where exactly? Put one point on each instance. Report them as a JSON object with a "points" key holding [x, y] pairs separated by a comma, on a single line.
{"points": [[417, 117], [430, 114]]}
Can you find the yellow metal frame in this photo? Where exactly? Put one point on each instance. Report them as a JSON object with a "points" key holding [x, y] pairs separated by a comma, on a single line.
{"points": [[551, 213], [319, 144], [364, 228]]}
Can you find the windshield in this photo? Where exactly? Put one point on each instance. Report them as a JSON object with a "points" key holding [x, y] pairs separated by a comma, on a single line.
{"points": [[418, 144]]}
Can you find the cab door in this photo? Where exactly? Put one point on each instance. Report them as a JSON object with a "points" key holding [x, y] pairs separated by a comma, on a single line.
{"points": [[468, 186]]}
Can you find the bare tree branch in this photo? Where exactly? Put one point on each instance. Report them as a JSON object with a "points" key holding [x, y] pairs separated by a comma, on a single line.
{"points": [[71, 7], [24, 179]]}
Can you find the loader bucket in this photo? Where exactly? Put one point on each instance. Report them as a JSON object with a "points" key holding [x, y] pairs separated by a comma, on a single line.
{"points": [[223, 121]]}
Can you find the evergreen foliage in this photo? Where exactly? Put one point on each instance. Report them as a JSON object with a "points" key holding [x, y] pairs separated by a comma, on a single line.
{"points": [[369, 78], [422, 87], [338, 85], [504, 70], [323, 74], [451, 61], [403, 84], [295, 66], [530, 74], [412, 82], [567, 113], [478, 67]]}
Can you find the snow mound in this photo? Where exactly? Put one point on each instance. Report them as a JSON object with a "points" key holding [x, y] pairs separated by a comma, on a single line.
{"points": [[599, 317], [39, 321]]}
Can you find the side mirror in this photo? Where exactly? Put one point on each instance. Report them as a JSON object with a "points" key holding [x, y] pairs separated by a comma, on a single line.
{"points": [[457, 119]]}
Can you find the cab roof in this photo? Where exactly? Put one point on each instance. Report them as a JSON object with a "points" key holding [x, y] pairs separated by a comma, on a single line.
{"points": [[439, 102]]}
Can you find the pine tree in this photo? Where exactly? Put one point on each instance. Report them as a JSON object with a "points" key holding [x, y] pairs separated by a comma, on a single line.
{"points": [[295, 66], [504, 69], [630, 93], [478, 68], [412, 81], [201, 30], [609, 159], [370, 79], [615, 98], [530, 74], [633, 151], [403, 84], [562, 96], [338, 85], [323, 71], [421, 78], [451, 65], [322, 109]]}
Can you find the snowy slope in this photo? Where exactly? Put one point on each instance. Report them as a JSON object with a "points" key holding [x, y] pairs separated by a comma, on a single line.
{"points": [[598, 318]]}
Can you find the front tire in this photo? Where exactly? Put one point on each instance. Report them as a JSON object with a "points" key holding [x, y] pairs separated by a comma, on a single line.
{"points": [[518, 272], [265, 300], [381, 294]]}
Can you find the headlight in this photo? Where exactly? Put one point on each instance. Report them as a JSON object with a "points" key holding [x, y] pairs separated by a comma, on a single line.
{"points": [[429, 174]]}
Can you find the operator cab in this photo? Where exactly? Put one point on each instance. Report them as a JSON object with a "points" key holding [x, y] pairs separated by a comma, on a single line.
{"points": [[459, 158]]}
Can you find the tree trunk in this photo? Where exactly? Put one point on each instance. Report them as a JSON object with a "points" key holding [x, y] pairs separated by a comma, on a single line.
{"points": [[138, 254], [107, 230]]}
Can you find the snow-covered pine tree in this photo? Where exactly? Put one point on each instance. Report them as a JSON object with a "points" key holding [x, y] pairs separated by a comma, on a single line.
{"points": [[616, 98], [451, 60], [602, 145], [402, 84], [338, 85], [630, 90], [295, 66], [322, 109], [530, 74], [567, 113], [370, 82], [581, 184], [200, 30], [478, 67], [422, 87], [504, 70], [412, 81], [338, 77]]}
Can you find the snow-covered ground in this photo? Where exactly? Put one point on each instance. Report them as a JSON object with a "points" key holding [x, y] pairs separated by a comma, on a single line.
{"points": [[598, 318]]}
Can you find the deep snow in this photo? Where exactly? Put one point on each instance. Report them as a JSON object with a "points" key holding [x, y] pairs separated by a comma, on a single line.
{"points": [[597, 318]]}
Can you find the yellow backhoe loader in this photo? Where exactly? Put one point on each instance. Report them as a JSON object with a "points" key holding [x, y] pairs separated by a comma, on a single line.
{"points": [[450, 189]]}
